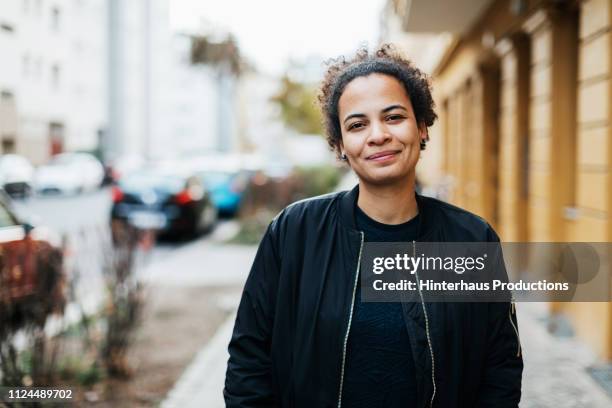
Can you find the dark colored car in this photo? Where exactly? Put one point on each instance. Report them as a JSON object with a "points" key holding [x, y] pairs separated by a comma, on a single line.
{"points": [[31, 270], [167, 202]]}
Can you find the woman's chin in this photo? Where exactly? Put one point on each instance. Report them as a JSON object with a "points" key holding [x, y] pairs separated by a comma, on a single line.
{"points": [[385, 177]]}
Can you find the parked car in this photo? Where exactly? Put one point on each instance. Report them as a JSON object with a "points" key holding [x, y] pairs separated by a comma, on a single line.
{"points": [[31, 268], [69, 173], [16, 175], [226, 176], [163, 200], [226, 188]]}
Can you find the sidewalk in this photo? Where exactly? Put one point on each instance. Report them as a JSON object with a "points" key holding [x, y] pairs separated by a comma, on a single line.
{"points": [[555, 368], [203, 262], [201, 385], [554, 374]]}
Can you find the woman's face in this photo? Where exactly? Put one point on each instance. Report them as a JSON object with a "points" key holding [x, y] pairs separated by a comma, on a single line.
{"points": [[380, 135]]}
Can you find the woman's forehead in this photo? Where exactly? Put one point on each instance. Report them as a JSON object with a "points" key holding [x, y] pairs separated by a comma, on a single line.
{"points": [[372, 92]]}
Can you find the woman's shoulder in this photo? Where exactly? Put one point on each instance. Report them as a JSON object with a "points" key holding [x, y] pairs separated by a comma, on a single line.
{"points": [[313, 203], [302, 219], [307, 210], [457, 219]]}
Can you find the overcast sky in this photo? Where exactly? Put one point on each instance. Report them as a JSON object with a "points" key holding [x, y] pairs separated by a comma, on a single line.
{"points": [[269, 32]]}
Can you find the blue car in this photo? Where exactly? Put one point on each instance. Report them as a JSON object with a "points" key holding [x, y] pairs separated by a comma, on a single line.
{"points": [[226, 189]]}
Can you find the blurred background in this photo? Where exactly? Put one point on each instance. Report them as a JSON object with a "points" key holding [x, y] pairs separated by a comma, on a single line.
{"points": [[146, 145]]}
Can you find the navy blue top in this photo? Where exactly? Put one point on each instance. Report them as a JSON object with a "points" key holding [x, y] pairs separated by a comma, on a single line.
{"points": [[379, 370]]}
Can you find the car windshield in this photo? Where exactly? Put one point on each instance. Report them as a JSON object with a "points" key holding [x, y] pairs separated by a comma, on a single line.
{"points": [[148, 181]]}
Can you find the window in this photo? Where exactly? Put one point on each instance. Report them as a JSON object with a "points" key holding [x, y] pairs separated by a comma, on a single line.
{"points": [[39, 7], [55, 19], [8, 144], [6, 96], [26, 6], [56, 138], [6, 27]]}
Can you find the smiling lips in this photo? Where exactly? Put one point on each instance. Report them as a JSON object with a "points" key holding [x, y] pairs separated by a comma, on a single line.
{"points": [[382, 156]]}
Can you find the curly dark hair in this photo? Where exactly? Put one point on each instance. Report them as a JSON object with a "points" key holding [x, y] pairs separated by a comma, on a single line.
{"points": [[385, 60]]}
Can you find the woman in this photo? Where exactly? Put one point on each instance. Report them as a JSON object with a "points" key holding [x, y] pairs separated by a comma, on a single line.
{"points": [[303, 337]]}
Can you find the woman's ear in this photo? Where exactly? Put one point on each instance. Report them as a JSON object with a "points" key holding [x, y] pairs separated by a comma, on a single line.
{"points": [[341, 151], [423, 135]]}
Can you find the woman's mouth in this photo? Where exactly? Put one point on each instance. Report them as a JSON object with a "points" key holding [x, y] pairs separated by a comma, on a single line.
{"points": [[382, 156]]}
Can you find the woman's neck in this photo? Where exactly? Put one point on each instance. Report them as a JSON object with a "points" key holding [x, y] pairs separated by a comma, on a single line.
{"points": [[388, 204]]}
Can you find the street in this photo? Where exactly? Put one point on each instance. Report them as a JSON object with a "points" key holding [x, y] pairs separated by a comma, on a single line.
{"points": [[83, 221], [67, 214], [84, 218]]}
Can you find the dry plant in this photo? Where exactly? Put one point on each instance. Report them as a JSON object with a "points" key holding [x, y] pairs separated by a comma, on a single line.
{"points": [[125, 302], [31, 289]]}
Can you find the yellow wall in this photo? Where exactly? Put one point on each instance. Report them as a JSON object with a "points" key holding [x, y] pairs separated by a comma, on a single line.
{"points": [[546, 151], [593, 321], [513, 129], [593, 135]]}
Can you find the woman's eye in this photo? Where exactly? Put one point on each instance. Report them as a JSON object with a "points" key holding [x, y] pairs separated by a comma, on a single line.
{"points": [[355, 125], [394, 117]]}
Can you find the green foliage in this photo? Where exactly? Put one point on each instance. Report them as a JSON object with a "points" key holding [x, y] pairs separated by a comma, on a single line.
{"points": [[304, 182], [252, 228], [26, 361], [86, 372], [317, 180], [297, 106]]}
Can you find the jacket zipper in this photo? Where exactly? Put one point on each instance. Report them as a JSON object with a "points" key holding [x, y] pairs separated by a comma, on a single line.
{"points": [[512, 311], [348, 328], [431, 352]]}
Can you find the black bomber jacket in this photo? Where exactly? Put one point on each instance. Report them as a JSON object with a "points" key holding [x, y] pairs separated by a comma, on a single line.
{"points": [[288, 346]]}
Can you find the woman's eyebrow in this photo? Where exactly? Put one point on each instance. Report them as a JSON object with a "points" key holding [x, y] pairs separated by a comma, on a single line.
{"points": [[354, 115], [389, 108]]}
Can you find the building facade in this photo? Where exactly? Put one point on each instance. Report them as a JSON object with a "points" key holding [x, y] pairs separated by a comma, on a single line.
{"points": [[192, 94], [161, 103], [524, 96], [53, 76], [129, 76]]}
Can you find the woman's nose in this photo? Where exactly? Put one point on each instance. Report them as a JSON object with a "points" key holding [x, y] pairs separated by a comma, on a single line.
{"points": [[378, 134]]}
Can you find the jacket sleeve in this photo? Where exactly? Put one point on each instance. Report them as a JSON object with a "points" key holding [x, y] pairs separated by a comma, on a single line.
{"points": [[501, 382], [248, 381]]}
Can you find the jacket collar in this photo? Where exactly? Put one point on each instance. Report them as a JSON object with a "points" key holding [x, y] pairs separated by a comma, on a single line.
{"points": [[427, 221]]}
